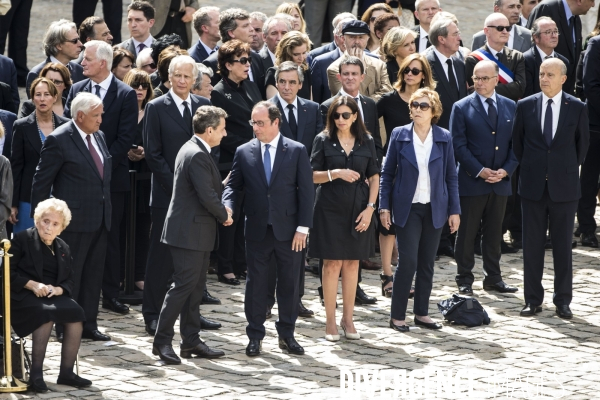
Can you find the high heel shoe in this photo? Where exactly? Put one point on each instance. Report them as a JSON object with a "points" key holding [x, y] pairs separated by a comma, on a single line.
{"points": [[332, 338], [385, 279], [351, 336]]}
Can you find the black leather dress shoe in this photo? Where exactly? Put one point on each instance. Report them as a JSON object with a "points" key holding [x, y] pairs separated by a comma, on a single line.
{"points": [[564, 312], [305, 312], [500, 287], [465, 289], [447, 251], [530, 310], [38, 385], [589, 240], [73, 380], [399, 328], [241, 276], [60, 337], [207, 298], [95, 335], [200, 350], [115, 305], [228, 281], [151, 327], [428, 325], [362, 298], [291, 346], [254, 348], [506, 249], [208, 325], [577, 232], [269, 314], [166, 353]]}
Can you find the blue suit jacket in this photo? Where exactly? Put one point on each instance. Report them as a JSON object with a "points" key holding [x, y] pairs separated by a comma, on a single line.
{"points": [[289, 197], [318, 75], [8, 75], [314, 53], [7, 119], [478, 145], [400, 174], [198, 52]]}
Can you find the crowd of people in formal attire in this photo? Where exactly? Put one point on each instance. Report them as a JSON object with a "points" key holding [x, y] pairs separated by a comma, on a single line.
{"points": [[260, 148]]}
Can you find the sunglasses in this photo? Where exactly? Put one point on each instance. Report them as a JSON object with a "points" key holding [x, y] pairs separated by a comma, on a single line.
{"points": [[423, 106], [345, 115], [243, 60], [500, 28], [74, 41], [414, 71], [144, 85], [151, 65]]}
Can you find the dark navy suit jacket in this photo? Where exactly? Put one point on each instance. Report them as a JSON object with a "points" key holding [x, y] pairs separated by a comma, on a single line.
{"points": [[533, 60], [322, 50], [478, 144], [75, 69], [7, 119], [400, 174], [198, 52], [318, 75], [8, 75]]}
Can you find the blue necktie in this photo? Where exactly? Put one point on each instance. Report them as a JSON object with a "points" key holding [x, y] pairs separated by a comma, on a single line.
{"points": [[267, 163], [548, 123], [97, 91]]}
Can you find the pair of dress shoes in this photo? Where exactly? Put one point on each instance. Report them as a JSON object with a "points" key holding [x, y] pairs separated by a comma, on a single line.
{"points": [[531, 310], [466, 289], [115, 305], [405, 328], [166, 353], [289, 344]]}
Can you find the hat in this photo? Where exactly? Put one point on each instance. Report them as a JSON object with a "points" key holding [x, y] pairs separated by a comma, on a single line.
{"points": [[355, 27]]}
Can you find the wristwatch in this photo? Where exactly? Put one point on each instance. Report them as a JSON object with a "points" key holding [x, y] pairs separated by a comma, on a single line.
{"points": [[372, 205]]}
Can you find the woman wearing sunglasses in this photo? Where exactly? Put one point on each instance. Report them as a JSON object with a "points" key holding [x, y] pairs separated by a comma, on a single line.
{"points": [[419, 170], [393, 107], [343, 160], [294, 47]]}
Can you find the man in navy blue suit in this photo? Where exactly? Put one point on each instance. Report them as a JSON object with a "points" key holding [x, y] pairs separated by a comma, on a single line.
{"points": [[206, 24], [481, 126], [276, 175], [8, 75], [550, 139]]}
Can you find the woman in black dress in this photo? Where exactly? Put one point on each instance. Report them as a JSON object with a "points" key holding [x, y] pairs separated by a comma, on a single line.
{"points": [[293, 46], [41, 285], [397, 44], [393, 107], [343, 159]]}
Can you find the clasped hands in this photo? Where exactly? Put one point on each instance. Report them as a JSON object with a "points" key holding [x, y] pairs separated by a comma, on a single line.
{"points": [[491, 176], [42, 290]]}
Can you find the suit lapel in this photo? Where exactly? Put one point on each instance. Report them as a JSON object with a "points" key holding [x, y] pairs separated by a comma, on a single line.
{"points": [[258, 161], [105, 154], [61, 253], [302, 115], [174, 112], [441, 75], [285, 126], [518, 39], [562, 116], [279, 156], [538, 115], [564, 27], [35, 251], [83, 148], [476, 103], [110, 96], [33, 135], [408, 151]]}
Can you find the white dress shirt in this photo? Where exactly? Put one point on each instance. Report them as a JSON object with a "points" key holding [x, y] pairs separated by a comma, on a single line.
{"points": [[104, 85], [423, 36], [208, 49], [284, 105], [147, 43], [423, 153], [273, 58], [556, 100], [443, 59], [362, 114], [511, 37], [544, 55], [179, 102], [93, 139]]}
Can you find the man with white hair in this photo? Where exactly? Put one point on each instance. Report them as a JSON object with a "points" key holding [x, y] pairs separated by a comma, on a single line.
{"points": [[202, 87], [118, 124], [274, 29], [206, 24], [145, 62], [61, 45], [76, 166]]}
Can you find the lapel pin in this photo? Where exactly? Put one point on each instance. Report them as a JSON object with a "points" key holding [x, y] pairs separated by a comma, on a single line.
{"points": [[334, 145], [228, 95]]}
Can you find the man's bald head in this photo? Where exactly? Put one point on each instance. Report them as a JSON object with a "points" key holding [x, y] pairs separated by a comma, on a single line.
{"points": [[485, 78]]}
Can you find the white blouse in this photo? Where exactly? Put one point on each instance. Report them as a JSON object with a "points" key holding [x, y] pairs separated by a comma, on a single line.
{"points": [[423, 153]]}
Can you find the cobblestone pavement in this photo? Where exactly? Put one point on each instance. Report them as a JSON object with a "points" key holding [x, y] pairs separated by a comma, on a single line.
{"points": [[513, 357]]}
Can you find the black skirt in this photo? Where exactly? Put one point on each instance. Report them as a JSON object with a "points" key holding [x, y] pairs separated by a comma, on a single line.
{"points": [[32, 312]]}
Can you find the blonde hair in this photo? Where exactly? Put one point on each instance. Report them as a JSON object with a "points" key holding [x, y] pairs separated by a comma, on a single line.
{"points": [[393, 39], [287, 44], [434, 99], [287, 8], [53, 205]]}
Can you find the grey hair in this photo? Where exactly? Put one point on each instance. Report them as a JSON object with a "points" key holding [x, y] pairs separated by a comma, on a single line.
{"points": [[180, 60], [277, 18], [341, 16], [498, 3], [53, 205], [144, 55], [419, 2], [103, 51], [84, 102], [56, 34], [337, 31], [439, 28], [563, 66], [202, 17], [289, 66], [259, 16], [535, 27], [228, 21], [202, 69], [207, 117]]}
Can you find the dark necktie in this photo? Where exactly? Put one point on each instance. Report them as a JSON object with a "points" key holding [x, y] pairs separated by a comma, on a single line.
{"points": [[141, 47], [95, 156], [427, 42], [267, 163], [548, 123], [547, 57], [187, 115], [97, 90], [451, 77], [292, 121], [572, 36], [492, 113]]}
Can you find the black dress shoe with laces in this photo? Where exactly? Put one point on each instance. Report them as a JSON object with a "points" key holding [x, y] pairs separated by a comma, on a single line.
{"points": [[291, 346], [207, 298], [166, 353], [465, 289], [447, 251], [564, 312], [428, 325], [500, 287], [200, 350], [254, 348], [151, 327], [38, 385], [530, 310], [208, 324], [589, 240], [399, 328], [304, 312], [115, 305], [73, 380], [228, 281], [363, 298], [95, 335]]}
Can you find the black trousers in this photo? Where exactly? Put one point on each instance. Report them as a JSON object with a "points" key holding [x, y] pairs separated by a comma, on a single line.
{"points": [[112, 10], [417, 245], [111, 282], [159, 268], [486, 211], [590, 172], [15, 25], [88, 250], [174, 24], [184, 297], [513, 220], [273, 280], [259, 255], [232, 249], [536, 216]]}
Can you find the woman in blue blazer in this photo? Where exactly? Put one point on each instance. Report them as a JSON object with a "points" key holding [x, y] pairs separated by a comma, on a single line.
{"points": [[418, 193]]}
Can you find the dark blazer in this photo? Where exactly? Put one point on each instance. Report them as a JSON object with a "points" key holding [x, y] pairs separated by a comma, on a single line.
{"points": [[310, 123], [7, 119], [129, 45], [591, 81], [392, 69], [266, 58], [257, 68], [195, 207], [448, 96], [370, 119], [26, 263], [119, 124], [26, 149], [289, 196], [198, 52], [558, 165], [400, 174], [533, 60], [164, 134], [314, 53], [8, 75], [75, 69], [67, 171], [555, 10], [318, 74], [6, 100], [478, 144], [513, 60], [522, 41]]}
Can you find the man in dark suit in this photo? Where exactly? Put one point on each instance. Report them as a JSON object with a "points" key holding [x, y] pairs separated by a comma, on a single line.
{"points": [[119, 126], [112, 10], [519, 38], [8, 75], [273, 30], [276, 175], [167, 126], [481, 126], [234, 23], [75, 166], [140, 18], [61, 45], [190, 233], [206, 24], [566, 15], [550, 140], [425, 10]]}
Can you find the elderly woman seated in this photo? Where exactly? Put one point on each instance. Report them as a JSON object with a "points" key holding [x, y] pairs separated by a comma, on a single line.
{"points": [[41, 292]]}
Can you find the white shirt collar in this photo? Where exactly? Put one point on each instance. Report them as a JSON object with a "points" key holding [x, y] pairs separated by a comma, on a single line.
{"points": [[284, 103], [82, 133], [483, 99], [208, 49], [568, 12], [178, 100], [105, 84], [442, 57], [273, 58], [544, 55], [147, 42], [55, 60], [343, 93], [273, 142], [204, 143], [422, 32], [555, 100]]}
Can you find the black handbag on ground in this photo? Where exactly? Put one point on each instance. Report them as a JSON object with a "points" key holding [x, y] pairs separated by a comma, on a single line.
{"points": [[462, 310], [20, 368]]}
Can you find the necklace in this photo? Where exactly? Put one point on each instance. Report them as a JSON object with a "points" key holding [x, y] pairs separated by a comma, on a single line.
{"points": [[50, 248], [42, 136]]}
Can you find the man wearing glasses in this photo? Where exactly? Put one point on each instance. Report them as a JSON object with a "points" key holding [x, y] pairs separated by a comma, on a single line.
{"points": [[519, 38]]}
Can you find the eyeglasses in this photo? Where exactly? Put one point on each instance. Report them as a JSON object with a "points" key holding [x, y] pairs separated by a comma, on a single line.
{"points": [[500, 28], [414, 71], [151, 65], [345, 115], [74, 41], [243, 60], [549, 32], [484, 79], [257, 123], [424, 106], [57, 82], [143, 85]]}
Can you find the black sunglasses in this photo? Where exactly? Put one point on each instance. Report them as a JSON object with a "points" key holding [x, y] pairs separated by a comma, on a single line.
{"points": [[345, 115], [144, 85], [423, 106], [243, 60], [151, 65], [74, 41], [500, 28], [414, 71]]}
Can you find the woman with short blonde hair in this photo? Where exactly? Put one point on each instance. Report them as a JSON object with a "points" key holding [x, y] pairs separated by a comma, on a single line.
{"points": [[294, 47]]}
